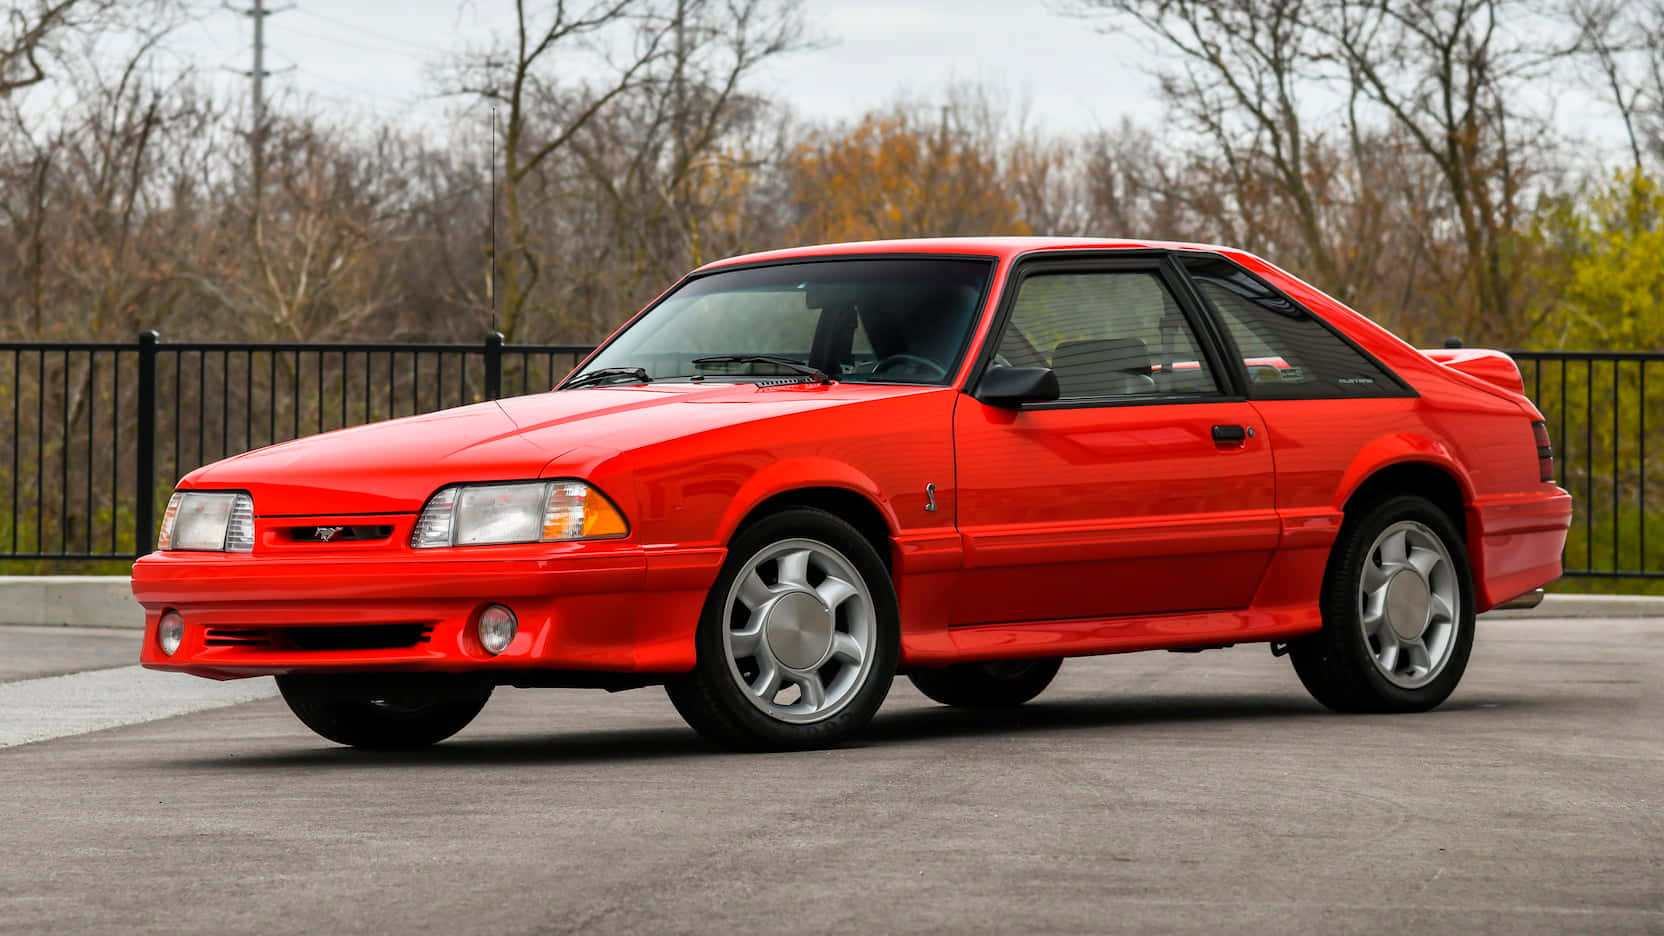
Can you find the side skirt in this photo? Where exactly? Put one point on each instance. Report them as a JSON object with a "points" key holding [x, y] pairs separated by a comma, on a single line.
{"points": [[1091, 636]]}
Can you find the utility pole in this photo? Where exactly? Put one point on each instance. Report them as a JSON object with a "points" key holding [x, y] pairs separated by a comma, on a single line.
{"points": [[257, 133]]}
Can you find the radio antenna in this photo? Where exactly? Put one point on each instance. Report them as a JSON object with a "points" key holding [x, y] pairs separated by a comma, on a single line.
{"points": [[491, 287]]}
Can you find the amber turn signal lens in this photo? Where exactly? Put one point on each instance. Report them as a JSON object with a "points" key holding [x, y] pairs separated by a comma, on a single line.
{"points": [[574, 510], [601, 518]]}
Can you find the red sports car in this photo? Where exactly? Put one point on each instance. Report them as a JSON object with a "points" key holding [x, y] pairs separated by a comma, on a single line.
{"points": [[798, 473]]}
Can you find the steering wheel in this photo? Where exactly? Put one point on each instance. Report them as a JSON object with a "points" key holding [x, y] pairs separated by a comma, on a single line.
{"points": [[938, 371]]}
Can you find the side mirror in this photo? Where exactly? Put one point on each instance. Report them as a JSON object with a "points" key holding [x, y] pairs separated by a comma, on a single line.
{"points": [[1011, 387]]}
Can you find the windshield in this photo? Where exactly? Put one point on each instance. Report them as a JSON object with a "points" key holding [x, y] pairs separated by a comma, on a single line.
{"points": [[874, 321]]}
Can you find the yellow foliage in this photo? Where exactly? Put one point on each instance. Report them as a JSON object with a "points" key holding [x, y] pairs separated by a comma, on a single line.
{"points": [[1611, 278], [887, 178]]}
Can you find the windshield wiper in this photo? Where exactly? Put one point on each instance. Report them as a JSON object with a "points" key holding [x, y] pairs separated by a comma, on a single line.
{"points": [[786, 362], [639, 374]]}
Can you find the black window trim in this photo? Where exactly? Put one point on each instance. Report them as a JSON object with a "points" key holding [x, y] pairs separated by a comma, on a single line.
{"points": [[1239, 363], [1151, 260], [991, 260]]}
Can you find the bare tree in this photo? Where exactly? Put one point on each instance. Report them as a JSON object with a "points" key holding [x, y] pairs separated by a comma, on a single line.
{"points": [[44, 39], [1450, 75], [30, 33], [1243, 75], [671, 171], [78, 186], [1622, 44], [543, 114], [331, 258], [715, 45], [1600, 24]]}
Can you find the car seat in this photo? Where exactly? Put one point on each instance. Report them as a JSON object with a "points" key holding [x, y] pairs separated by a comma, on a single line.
{"points": [[1103, 367]]}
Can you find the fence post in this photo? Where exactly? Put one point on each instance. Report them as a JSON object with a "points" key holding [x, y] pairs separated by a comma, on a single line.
{"points": [[493, 365], [144, 504]]}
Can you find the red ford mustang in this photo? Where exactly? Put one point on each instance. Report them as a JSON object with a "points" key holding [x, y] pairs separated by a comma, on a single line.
{"points": [[798, 473]]}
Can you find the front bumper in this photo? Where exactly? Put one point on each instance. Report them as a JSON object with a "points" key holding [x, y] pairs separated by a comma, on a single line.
{"points": [[612, 608]]}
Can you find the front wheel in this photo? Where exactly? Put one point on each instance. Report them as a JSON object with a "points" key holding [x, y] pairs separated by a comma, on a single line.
{"points": [[381, 719], [798, 640], [1398, 615], [995, 684]]}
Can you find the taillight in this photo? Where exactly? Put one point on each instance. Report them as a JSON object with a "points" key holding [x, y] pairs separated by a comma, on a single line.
{"points": [[1545, 451]]}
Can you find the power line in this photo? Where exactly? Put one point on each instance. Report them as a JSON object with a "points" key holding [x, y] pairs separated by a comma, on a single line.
{"points": [[359, 29], [360, 44]]}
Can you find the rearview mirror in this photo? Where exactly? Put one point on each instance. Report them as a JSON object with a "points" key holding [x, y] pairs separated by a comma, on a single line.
{"points": [[1011, 387]]}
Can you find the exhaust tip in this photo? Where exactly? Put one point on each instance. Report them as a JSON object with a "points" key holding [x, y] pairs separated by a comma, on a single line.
{"points": [[1525, 602]]}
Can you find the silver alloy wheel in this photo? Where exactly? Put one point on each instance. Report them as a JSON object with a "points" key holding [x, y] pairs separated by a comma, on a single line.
{"points": [[801, 630], [1408, 604]]}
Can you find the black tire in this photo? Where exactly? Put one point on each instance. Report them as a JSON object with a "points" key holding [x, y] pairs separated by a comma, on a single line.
{"points": [[709, 697], [381, 720], [1336, 664], [995, 684]]}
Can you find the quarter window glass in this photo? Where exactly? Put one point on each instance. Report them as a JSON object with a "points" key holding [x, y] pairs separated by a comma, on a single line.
{"points": [[1289, 354], [1106, 335]]}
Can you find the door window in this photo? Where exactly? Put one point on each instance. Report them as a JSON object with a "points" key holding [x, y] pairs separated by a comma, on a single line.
{"points": [[1106, 334]]}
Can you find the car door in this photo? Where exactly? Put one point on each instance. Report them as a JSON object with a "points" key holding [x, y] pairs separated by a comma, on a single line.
{"points": [[1145, 488]]}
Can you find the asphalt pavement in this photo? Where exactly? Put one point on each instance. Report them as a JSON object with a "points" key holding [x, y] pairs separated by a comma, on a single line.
{"points": [[1142, 793], [33, 652]]}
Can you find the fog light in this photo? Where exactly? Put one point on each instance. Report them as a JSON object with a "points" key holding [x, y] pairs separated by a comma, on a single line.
{"points": [[170, 632], [497, 628]]}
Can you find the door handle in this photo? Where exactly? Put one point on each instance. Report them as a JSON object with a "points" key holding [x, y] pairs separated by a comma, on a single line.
{"points": [[1231, 435]]}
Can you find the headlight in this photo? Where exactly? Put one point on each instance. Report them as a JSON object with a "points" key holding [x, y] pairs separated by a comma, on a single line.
{"points": [[518, 512], [217, 521]]}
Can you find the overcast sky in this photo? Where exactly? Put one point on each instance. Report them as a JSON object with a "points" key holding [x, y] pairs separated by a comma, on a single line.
{"points": [[373, 57]]}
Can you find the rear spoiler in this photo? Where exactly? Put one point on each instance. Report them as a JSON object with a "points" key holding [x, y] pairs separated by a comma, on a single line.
{"points": [[1493, 367]]}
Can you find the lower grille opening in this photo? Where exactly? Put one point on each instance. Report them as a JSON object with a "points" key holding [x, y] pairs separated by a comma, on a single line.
{"points": [[237, 637], [359, 636]]}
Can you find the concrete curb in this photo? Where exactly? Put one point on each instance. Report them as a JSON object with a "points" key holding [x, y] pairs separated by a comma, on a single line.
{"points": [[107, 601], [1590, 606], [69, 601]]}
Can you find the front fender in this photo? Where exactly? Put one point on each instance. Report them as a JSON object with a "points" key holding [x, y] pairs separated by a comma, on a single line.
{"points": [[796, 473]]}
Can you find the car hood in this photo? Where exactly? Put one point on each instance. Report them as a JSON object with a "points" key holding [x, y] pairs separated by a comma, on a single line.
{"points": [[385, 467], [394, 466]]}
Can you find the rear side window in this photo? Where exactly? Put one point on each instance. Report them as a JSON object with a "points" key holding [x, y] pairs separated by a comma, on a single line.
{"points": [[1289, 354]]}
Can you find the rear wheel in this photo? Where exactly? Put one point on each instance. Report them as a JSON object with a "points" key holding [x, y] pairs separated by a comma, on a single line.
{"points": [[1398, 615], [799, 638], [385, 719], [995, 684]]}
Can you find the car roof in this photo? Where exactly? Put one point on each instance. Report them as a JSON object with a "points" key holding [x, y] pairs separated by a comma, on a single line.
{"points": [[1001, 247]]}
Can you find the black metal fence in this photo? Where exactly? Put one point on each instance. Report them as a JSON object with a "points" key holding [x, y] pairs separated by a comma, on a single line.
{"points": [[99, 432], [1605, 412]]}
